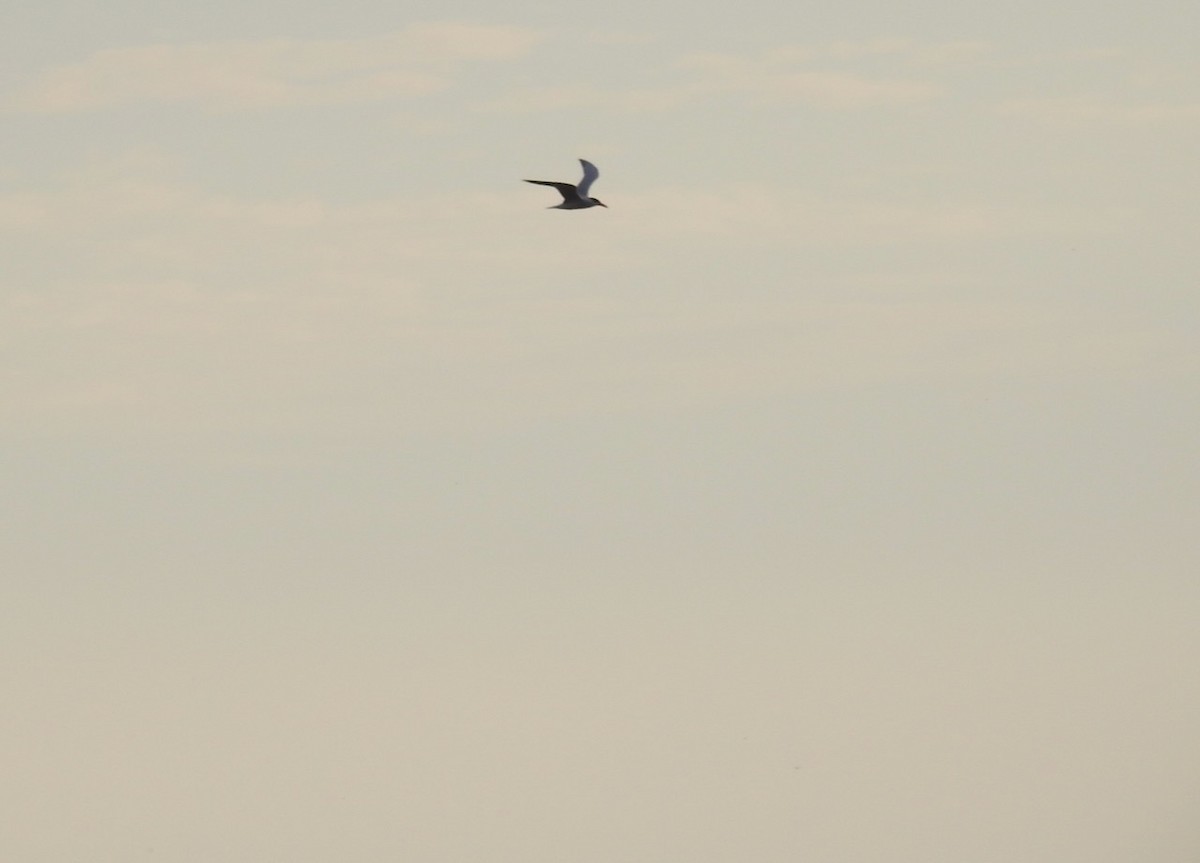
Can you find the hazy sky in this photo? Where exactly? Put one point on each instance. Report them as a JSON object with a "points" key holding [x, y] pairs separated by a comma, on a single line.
{"points": [[832, 497]]}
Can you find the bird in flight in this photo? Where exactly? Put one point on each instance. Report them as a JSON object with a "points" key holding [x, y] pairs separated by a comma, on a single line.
{"points": [[576, 197]]}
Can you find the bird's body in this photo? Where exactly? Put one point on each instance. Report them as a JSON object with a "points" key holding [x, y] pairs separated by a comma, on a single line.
{"points": [[575, 197]]}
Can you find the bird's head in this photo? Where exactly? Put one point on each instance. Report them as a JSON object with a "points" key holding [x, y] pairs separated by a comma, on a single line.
{"points": [[598, 202]]}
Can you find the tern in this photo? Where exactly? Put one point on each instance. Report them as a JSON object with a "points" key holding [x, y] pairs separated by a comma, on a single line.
{"points": [[576, 197]]}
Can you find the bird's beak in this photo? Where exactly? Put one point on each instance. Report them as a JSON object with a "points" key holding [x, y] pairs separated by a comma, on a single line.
{"points": [[602, 204]]}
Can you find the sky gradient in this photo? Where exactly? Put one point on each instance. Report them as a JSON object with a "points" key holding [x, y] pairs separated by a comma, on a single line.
{"points": [[832, 496]]}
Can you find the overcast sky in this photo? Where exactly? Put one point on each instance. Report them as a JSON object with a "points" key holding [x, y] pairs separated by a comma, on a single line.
{"points": [[831, 497]]}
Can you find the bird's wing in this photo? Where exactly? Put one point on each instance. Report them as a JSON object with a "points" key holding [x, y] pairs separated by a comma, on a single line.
{"points": [[590, 173], [565, 189]]}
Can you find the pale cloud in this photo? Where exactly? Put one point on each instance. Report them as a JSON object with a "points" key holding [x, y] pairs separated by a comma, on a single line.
{"points": [[762, 215], [844, 90], [533, 100], [1088, 110], [134, 219], [554, 98], [134, 216], [959, 52], [247, 74], [884, 49], [787, 74], [908, 50], [869, 47], [782, 74], [295, 296], [621, 37], [180, 355]]}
